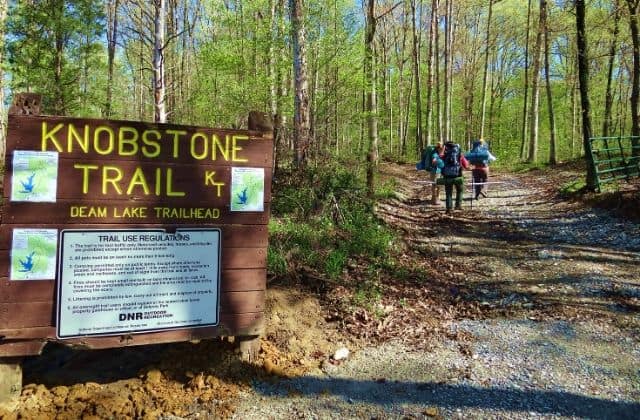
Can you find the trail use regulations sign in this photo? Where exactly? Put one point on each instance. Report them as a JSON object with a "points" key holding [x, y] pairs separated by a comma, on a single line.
{"points": [[115, 281]]}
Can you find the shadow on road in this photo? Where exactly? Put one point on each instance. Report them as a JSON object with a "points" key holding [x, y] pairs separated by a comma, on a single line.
{"points": [[381, 392]]}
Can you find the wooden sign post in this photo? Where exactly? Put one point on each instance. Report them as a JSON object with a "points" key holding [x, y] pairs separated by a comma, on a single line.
{"points": [[119, 233]]}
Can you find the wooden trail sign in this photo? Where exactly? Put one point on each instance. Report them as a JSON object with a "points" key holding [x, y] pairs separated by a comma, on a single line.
{"points": [[123, 233]]}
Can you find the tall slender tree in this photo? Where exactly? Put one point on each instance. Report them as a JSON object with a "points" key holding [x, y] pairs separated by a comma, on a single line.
{"points": [[416, 74], [633, 6], [485, 73], [525, 115], [112, 37], [607, 121], [301, 117], [553, 150], [534, 113], [583, 77], [370, 92]]}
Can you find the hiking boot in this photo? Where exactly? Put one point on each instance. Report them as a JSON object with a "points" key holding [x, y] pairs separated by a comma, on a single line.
{"points": [[458, 208], [448, 211]]}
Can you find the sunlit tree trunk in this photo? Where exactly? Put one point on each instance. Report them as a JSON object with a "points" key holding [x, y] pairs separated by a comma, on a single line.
{"points": [[608, 102], [301, 118], [553, 154], [635, 84], [372, 120], [535, 91], [525, 119], [159, 88], [485, 73], [583, 76], [112, 36], [448, 71], [416, 76], [433, 27]]}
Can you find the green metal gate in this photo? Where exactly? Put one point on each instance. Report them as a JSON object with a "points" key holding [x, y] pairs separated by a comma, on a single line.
{"points": [[615, 158]]}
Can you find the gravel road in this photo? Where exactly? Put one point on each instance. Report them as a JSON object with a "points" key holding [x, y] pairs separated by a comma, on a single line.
{"points": [[564, 275]]}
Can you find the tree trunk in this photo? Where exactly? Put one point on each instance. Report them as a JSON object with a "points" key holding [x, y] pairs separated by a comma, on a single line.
{"points": [[112, 36], [535, 91], [448, 72], [416, 78], [372, 120], [523, 144], [553, 155], [486, 69], [608, 101], [433, 27], [635, 84], [583, 76], [159, 34], [301, 119]]}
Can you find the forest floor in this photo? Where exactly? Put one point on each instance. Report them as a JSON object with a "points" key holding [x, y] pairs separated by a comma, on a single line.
{"points": [[525, 304]]}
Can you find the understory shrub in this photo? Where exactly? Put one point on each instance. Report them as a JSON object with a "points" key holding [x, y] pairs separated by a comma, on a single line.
{"points": [[322, 221]]}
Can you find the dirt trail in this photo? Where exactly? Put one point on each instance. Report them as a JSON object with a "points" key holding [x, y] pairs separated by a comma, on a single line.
{"points": [[524, 248], [522, 306]]}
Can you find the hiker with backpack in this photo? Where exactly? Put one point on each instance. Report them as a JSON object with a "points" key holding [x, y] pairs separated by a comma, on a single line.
{"points": [[479, 157], [454, 162], [432, 162]]}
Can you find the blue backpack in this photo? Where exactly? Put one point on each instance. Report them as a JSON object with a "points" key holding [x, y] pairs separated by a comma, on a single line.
{"points": [[425, 161], [451, 160], [479, 154]]}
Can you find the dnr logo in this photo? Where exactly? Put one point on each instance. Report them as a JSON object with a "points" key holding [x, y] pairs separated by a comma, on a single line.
{"points": [[130, 316]]}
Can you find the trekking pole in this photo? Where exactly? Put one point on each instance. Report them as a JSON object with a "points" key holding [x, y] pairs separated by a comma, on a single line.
{"points": [[473, 190]]}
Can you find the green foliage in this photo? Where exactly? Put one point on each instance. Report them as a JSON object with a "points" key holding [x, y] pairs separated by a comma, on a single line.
{"points": [[322, 220], [53, 47], [572, 188], [367, 295]]}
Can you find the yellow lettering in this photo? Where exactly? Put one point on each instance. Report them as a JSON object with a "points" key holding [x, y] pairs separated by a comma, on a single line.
{"points": [[110, 139], [83, 141], [176, 140], [87, 211], [158, 181], [124, 140], [138, 179], [209, 180], [153, 144], [107, 179], [224, 150], [50, 135], [85, 175], [204, 146], [236, 148], [170, 192]]}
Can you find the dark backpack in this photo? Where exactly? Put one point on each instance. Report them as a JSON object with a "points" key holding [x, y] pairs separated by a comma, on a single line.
{"points": [[451, 160], [425, 160]]}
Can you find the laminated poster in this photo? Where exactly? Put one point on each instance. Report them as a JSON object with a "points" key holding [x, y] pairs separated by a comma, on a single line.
{"points": [[34, 176], [247, 189], [34, 254]]}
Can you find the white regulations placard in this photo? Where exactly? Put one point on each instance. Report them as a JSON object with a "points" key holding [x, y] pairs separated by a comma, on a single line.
{"points": [[137, 280]]}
